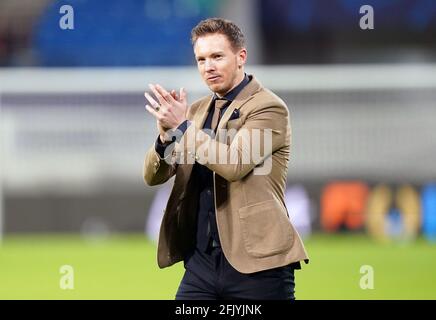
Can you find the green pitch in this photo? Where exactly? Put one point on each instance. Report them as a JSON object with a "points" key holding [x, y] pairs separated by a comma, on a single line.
{"points": [[124, 267]]}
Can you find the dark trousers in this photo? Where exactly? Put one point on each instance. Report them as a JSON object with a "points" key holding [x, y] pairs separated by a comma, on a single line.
{"points": [[209, 276]]}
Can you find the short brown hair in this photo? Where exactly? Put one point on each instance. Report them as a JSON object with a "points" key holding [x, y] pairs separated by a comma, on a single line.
{"points": [[222, 26]]}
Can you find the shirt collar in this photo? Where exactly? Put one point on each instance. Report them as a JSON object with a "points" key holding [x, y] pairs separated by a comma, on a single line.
{"points": [[231, 95]]}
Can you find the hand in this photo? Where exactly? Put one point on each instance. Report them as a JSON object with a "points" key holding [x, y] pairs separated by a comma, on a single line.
{"points": [[160, 128], [171, 110]]}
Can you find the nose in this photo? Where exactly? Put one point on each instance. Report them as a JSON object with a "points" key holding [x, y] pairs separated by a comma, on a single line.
{"points": [[209, 65]]}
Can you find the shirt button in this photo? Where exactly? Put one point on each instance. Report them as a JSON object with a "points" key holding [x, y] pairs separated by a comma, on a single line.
{"points": [[197, 158]]}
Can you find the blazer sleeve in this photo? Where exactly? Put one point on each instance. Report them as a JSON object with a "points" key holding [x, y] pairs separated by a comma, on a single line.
{"points": [[157, 170], [266, 128]]}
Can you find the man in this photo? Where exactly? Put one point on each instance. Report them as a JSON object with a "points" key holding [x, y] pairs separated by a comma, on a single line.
{"points": [[226, 220]]}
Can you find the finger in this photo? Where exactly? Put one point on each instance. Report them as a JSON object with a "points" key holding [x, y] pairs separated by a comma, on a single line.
{"points": [[173, 93], [153, 112], [159, 97], [151, 100], [165, 94], [183, 95]]}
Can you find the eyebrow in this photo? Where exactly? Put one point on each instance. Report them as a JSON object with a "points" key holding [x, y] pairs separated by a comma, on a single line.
{"points": [[212, 54]]}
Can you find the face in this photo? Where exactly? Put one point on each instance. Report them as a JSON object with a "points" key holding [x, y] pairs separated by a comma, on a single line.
{"points": [[220, 67]]}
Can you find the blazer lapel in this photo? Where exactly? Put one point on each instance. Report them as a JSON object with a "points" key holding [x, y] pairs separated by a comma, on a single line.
{"points": [[245, 95], [201, 114]]}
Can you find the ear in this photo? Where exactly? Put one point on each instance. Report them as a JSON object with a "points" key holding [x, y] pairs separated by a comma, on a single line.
{"points": [[242, 57]]}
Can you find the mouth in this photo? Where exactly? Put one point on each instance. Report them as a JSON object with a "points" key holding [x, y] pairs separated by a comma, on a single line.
{"points": [[213, 78]]}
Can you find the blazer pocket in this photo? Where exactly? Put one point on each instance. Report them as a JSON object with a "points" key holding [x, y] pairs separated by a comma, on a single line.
{"points": [[266, 229]]}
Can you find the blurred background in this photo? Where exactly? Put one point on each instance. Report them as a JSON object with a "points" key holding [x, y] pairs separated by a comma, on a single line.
{"points": [[74, 131]]}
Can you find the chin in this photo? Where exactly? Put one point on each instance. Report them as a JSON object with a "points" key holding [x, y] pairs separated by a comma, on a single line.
{"points": [[218, 89], [215, 88]]}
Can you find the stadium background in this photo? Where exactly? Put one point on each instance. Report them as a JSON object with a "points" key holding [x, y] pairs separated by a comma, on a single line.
{"points": [[73, 133]]}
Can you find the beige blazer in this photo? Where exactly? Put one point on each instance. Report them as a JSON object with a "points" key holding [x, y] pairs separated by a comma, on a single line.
{"points": [[254, 229]]}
